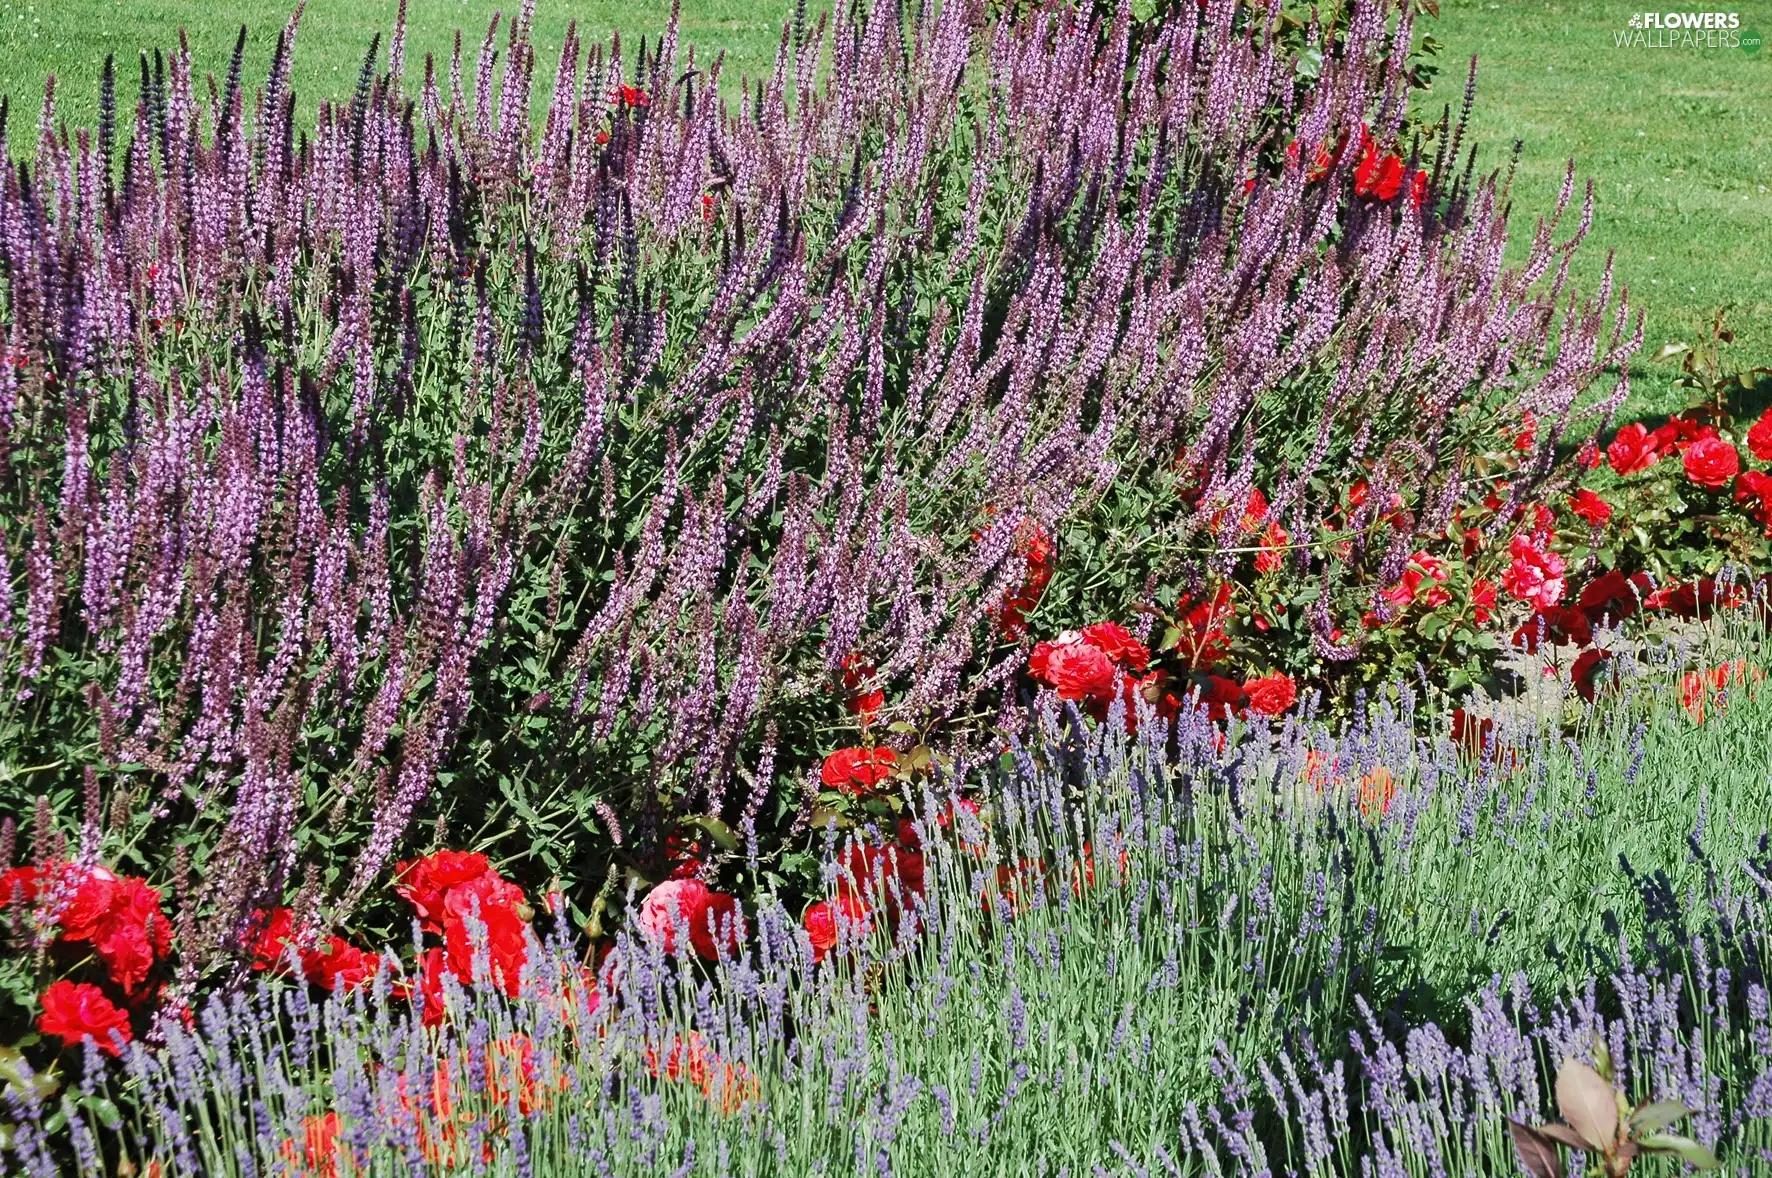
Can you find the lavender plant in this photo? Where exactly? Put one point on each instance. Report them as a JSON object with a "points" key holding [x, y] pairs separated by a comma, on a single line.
{"points": [[1156, 953]]}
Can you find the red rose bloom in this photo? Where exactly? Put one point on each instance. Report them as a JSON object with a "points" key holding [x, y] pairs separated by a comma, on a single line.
{"points": [[1377, 177], [90, 906], [1754, 491], [1113, 640], [1470, 733], [340, 966], [1678, 433], [499, 907], [1075, 668], [271, 946], [857, 673], [1202, 642], [1711, 463], [1585, 669], [1631, 450], [1271, 695], [857, 770], [1609, 595], [718, 928], [1417, 189], [1555, 625], [1759, 437], [1535, 576], [1221, 696], [1482, 600], [1590, 507], [423, 883], [1694, 600], [74, 1010], [670, 903], [823, 921]]}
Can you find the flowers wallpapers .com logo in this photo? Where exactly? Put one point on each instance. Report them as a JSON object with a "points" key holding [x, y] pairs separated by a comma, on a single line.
{"points": [[1686, 30]]}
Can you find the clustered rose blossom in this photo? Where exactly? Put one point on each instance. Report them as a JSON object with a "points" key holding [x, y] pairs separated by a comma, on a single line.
{"points": [[76, 1011], [1033, 544], [857, 771], [1536, 574], [335, 964], [117, 916], [876, 879], [1089, 666], [1709, 688], [711, 918], [458, 895], [862, 696], [1590, 507]]}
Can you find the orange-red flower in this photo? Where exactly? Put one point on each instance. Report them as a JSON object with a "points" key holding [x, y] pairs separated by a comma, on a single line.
{"points": [[1632, 450], [1270, 695], [1711, 463], [857, 770], [72, 1011], [1590, 507]]}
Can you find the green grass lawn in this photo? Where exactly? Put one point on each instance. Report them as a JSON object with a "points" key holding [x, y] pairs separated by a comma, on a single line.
{"points": [[70, 38], [1679, 142]]}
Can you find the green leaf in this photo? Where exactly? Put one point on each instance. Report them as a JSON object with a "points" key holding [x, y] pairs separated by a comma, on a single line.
{"points": [[716, 830], [1686, 1149], [1658, 1115]]}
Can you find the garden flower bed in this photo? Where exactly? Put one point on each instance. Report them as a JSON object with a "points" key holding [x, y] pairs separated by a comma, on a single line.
{"points": [[934, 611]]}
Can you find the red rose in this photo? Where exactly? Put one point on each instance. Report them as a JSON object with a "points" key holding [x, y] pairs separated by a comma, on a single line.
{"points": [[500, 908], [90, 905], [887, 875], [1678, 433], [74, 1010], [1590, 507], [719, 927], [1556, 625], [1417, 189], [432, 966], [340, 966], [1609, 595], [857, 770], [1586, 667], [1201, 640], [1377, 177], [1754, 490], [423, 883], [1482, 600], [1759, 437], [1221, 696], [271, 946], [1694, 600], [1113, 640], [857, 674], [19, 886], [1631, 450], [1711, 463], [1535, 576], [688, 901], [825, 920], [1075, 668], [1588, 457], [1471, 734], [1271, 695]]}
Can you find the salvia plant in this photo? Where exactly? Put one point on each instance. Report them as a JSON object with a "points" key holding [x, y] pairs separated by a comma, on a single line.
{"points": [[538, 482], [1179, 951]]}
